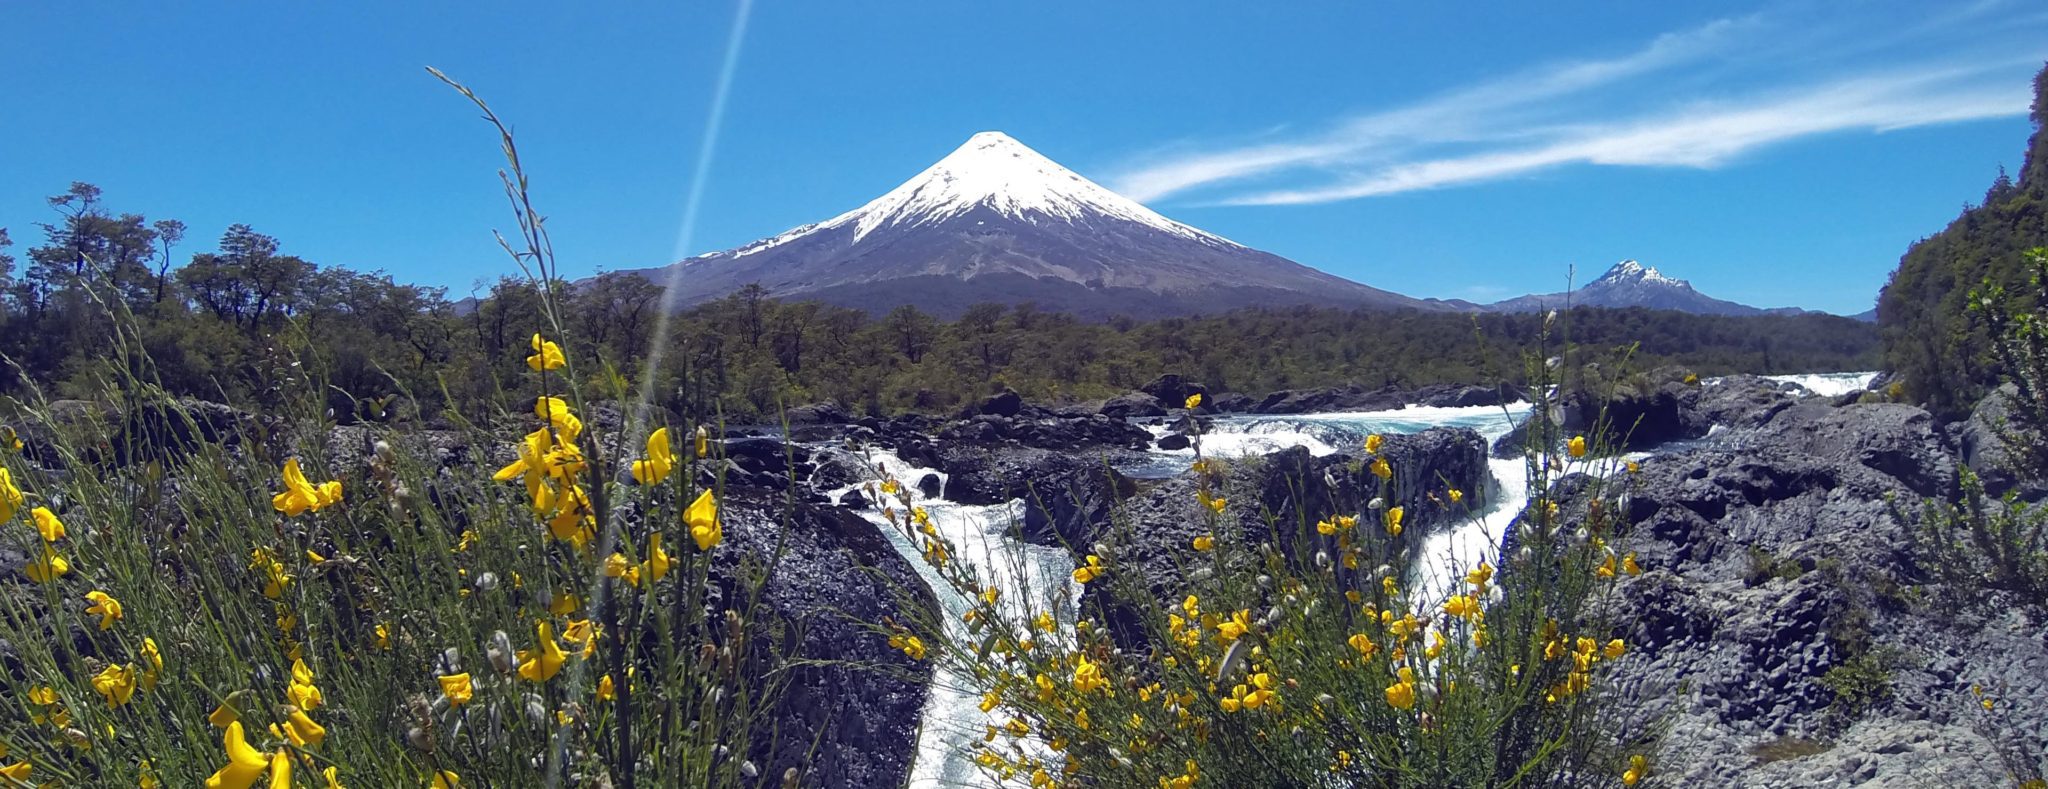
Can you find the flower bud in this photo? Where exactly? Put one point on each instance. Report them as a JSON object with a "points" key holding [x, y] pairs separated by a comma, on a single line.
{"points": [[499, 651]]}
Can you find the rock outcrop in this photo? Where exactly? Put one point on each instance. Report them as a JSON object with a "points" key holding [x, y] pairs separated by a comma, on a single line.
{"points": [[852, 695], [1777, 631]]}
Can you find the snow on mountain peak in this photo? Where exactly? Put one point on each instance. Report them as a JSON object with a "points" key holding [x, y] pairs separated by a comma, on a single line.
{"points": [[1631, 271], [993, 169]]}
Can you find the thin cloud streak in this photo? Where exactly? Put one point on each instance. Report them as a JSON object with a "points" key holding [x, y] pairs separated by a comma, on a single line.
{"points": [[1600, 113], [1447, 118], [1704, 137]]}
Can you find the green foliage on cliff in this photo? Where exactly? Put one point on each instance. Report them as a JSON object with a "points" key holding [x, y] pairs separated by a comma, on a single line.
{"points": [[1944, 356]]}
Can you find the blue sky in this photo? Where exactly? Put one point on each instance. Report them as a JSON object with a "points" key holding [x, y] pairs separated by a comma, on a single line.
{"points": [[1776, 153]]}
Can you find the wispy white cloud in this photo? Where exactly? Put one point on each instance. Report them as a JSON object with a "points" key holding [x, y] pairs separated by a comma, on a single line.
{"points": [[1592, 113], [1447, 118], [1698, 137]]}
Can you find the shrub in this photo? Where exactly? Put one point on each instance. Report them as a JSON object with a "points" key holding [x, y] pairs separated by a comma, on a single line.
{"points": [[1303, 652], [235, 596]]}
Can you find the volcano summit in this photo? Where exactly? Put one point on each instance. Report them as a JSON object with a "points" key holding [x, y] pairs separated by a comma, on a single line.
{"points": [[995, 221]]}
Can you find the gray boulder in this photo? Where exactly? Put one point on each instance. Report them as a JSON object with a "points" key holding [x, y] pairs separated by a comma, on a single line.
{"points": [[848, 692], [1132, 405]]}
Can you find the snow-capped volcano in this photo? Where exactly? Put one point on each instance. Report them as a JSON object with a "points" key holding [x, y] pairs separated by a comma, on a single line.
{"points": [[1631, 284], [996, 221]]}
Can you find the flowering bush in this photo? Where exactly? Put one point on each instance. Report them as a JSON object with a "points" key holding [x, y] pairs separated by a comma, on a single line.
{"points": [[1307, 652], [247, 610]]}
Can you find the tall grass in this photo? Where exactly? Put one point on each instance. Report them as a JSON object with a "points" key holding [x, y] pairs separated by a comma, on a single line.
{"points": [[521, 600]]}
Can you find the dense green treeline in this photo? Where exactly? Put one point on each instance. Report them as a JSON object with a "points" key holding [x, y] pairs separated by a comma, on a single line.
{"points": [[244, 321], [1944, 355]]}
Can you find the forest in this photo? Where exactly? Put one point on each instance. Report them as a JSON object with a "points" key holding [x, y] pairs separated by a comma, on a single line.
{"points": [[1943, 351], [240, 322]]}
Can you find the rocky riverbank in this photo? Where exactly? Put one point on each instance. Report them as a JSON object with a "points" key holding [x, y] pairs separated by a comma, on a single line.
{"points": [[1785, 631]]}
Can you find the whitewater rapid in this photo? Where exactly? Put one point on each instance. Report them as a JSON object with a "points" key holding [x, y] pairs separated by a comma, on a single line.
{"points": [[1035, 578], [1829, 384]]}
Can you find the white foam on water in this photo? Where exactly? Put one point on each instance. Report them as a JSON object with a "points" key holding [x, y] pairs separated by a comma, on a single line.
{"points": [[1829, 384], [952, 720]]}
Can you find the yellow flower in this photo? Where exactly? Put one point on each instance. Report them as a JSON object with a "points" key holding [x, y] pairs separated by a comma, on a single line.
{"points": [[1090, 570], [1381, 469], [703, 519], [457, 688], [1634, 467], [1363, 644], [447, 779], [1045, 622], [581, 632], [1615, 648], [1577, 446], [1628, 564], [301, 495], [1456, 495], [10, 496], [245, 764], [1204, 542], [43, 695], [332, 776], [989, 701], [1464, 607], [1401, 695], [1606, 568], [17, 771], [300, 729], [1236, 626], [561, 416], [545, 660], [605, 690], [1194, 401], [658, 562], [1372, 444], [1214, 503], [47, 524], [911, 645], [1087, 675], [660, 462], [302, 692], [116, 683], [617, 566], [152, 661], [1326, 528], [1479, 576], [49, 567], [1394, 520], [105, 607], [703, 441], [383, 636], [1637, 768], [546, 355], [223, 715]]}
